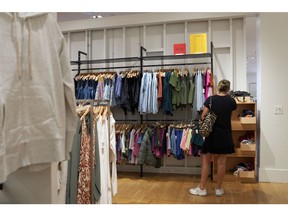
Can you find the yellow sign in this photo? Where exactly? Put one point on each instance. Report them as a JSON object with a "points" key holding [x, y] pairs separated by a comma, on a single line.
{"points": [[198, 43]]}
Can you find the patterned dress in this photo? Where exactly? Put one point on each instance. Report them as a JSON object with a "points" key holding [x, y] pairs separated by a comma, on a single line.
{"points": [[84, 179]]}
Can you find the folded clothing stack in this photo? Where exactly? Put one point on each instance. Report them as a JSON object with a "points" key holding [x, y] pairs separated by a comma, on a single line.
{"points": [[244, 166]]}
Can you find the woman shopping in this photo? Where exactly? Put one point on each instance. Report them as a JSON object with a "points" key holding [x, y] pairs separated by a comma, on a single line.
{"points": [[219, 143]]}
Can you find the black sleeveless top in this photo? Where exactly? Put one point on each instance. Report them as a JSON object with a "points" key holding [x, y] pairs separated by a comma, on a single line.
{"points": [[220, 141]]}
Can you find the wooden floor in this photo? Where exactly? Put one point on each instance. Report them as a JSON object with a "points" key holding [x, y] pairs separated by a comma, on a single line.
{"points": [[174, 189]]}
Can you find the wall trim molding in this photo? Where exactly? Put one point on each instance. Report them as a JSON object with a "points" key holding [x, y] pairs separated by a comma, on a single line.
{"points": [[273, 175]]}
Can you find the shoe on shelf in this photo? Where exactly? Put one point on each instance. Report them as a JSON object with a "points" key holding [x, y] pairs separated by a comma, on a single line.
{"points": [[219, 192], [198, 192]]}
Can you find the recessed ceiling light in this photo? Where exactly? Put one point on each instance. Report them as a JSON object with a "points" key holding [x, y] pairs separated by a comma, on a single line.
{"points": [[97, 16]]}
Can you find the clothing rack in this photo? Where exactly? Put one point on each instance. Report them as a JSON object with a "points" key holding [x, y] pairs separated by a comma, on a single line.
{"points": [[94, 103], [141, 60], [174, 57]]}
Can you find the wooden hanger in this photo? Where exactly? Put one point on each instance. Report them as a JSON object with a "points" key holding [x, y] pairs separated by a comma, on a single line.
{"points": [[85, 113], [104, 113]]}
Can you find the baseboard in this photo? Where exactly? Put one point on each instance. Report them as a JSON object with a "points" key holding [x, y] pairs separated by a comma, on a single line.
{"points": [[273, 175], [150, 169]]}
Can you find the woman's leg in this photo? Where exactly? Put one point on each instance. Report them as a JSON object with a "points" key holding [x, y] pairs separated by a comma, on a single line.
{"points": [[205, 170], [221, 169]]}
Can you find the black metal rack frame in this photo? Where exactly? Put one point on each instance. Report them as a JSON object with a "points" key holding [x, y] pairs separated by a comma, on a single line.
{"points": [[142, 59]]}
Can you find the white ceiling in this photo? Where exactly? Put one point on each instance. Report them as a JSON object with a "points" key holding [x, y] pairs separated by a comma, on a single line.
{"points": [[69, 16]]}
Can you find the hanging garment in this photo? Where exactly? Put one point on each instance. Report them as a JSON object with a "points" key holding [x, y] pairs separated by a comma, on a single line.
{"points": [[184, 90], [159, 90], [73, 167], [169, 148], [198, 96], [100, 89], [131, 146], [113, 156], [118, 147], [167, 95], [118, 89], [36, 75], [86, 90], [79, 90], [84, 179], [130, 94], [191, 87], [136, 146], [107, 149], [96, 190], [133, 93], [209, 86], [184, 140], [199, 92], [62, 184], [197, 142], [179, 152], [145, 103], [145, 154], [154, 94], [112, 93], [92, 88], [176, 88], [173, 139]]}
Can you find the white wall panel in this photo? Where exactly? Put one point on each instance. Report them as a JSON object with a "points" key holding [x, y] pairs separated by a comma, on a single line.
{"points": [[154, 37], [273, 87], [239, 61], [114, 43], [221, 33], [97, 40], [175, 34], [78, 43], [197, 27], [222, 64], [133, 41]]}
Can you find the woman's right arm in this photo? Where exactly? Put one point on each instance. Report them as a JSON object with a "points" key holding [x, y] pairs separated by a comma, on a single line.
{"points": [[204, 113]]}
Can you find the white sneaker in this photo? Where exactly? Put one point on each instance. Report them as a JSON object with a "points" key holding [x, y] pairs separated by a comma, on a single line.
{"points": [[219, 192], [198, 192]]}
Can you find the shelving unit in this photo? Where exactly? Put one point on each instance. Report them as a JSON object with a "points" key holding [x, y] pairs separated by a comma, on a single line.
{"points": [[242, 154]]}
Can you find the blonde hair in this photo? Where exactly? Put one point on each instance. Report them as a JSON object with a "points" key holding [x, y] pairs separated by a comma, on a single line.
{"points": [[224, 86]]}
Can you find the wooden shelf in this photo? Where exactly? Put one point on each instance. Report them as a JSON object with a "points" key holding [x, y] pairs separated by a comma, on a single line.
{"points": [[244, 103], [230, 177], [236, 125], [240, 153]]}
